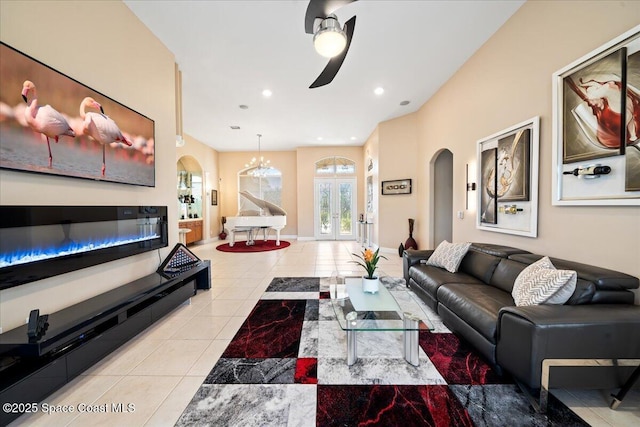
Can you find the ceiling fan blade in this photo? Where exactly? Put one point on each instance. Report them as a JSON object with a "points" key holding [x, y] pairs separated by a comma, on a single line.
{"points": [[335, 63], [321, 9]]}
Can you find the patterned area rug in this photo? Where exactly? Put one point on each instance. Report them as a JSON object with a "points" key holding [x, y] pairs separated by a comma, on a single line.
{"points": [[287, 366]]}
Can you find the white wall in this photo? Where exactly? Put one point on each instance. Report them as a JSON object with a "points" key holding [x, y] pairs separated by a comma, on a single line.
{"points": [[92, 42]]}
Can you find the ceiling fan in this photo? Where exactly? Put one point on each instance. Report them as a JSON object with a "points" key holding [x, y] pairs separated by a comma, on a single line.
{"points": [[329, 39]]}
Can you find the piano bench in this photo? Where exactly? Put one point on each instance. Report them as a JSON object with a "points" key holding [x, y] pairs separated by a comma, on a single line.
{"points": [[250, 234]]}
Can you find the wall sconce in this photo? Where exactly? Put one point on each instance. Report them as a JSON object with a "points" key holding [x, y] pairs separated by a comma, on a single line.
{"points": [[471, 186]]}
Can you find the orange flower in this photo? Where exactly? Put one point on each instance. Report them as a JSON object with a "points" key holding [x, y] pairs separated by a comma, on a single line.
{"points": [[370, 260], [368, 255]]}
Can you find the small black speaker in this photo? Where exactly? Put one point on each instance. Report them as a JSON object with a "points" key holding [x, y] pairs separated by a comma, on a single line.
{"points": [[179, 260]]}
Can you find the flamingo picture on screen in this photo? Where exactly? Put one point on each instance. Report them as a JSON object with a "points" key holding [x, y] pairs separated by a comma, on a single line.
{"points": [[100, 127], [44, 119]]}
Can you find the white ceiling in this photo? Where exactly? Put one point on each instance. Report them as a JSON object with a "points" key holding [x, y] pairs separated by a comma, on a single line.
{"points": [[230, 51]]}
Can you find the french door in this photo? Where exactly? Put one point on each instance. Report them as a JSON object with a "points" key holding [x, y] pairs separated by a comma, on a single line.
{"points": [[335, 206]]}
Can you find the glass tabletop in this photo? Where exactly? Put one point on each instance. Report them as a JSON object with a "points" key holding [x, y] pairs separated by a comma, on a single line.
{"points": [[393, 308]]}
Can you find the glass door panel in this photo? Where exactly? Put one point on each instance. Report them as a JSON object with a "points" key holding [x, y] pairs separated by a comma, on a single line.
{"points": [[345, 208], [324, 192]]}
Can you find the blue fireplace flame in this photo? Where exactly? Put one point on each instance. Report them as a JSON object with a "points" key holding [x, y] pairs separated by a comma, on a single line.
{"points": [[69, 248]]}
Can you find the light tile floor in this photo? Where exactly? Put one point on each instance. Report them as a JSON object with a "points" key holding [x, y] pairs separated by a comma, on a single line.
{"points": [[159, 371]]}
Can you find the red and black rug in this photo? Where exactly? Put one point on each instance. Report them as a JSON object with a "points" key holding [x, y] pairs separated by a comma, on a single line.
{"points": [[286, 366], [259, 246]]}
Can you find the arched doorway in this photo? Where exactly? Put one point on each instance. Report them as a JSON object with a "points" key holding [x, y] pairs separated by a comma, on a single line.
{"points": [[442, 194], [191, 196]]}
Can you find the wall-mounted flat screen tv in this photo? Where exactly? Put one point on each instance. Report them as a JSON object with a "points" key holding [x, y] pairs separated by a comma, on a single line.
{"points": [[53, 124]]}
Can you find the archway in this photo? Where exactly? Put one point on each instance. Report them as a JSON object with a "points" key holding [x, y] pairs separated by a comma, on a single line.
{"points": [[442, 197], [191, 197]]}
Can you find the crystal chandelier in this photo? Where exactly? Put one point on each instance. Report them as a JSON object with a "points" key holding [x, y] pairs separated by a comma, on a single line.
{"points": [[258, 166]]}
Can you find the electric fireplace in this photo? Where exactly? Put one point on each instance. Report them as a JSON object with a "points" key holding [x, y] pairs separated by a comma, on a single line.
{"points": [[37, 242]]}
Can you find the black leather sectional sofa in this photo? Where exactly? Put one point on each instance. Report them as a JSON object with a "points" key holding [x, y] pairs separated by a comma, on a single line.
{"points": [[600, 320]]}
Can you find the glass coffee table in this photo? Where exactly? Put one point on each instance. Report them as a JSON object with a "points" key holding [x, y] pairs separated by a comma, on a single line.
{"points": [[394, 309]]}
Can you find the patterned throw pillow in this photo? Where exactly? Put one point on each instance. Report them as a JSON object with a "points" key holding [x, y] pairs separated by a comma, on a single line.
{"points": [[542, 283], [448, 255]]}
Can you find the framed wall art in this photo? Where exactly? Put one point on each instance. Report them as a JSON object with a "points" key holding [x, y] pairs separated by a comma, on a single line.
{"points": [[488, 200], [214, 197], [596, 126], [400, 186], [507, 189], [53, 124]]}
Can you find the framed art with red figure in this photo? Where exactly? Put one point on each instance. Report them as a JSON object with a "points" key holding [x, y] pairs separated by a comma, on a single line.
{"points": [[596, 126]]}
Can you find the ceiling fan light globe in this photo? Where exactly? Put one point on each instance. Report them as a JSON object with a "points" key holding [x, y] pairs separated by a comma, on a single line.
{"points": [[329, 40]]}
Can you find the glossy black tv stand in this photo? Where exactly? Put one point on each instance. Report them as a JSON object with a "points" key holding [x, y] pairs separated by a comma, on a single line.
{"points": [[80, 335]]}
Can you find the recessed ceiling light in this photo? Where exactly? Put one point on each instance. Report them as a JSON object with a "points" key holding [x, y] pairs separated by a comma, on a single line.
{"points": [[234, 127], [267, 93], [378, 91], [403, 103], [353, 138], [243, 107], [319, 138]]}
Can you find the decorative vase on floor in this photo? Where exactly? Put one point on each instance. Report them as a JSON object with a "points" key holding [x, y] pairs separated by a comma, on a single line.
{"points": [[370, 286], [410, 243]]}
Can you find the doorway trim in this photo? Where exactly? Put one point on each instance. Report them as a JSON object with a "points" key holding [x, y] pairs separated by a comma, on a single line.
{"points": [[335, 181]]}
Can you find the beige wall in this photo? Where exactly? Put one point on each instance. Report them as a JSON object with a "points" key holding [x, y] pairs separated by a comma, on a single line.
{"points": [[398, 143], [306, 159], [507, 81], [80, 40], [206, 159], [232, 162]]}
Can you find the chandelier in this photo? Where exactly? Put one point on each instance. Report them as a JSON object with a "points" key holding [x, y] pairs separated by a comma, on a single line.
{"points": [[258, 166]]}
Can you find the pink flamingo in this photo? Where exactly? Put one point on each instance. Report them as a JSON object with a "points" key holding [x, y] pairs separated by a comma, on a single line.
{"points": [[44, 119], [100, 127]]}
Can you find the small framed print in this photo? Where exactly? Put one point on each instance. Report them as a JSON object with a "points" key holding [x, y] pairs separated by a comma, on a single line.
{"points": [[400, 186], [214, 197]]}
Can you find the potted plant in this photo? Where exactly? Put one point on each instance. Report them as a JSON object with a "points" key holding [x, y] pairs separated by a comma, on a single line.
{"points": [[370, 282]]}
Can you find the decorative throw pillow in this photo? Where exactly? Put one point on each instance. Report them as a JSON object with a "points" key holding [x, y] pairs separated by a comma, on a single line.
{"points": [[448, 255], [542, 283]]}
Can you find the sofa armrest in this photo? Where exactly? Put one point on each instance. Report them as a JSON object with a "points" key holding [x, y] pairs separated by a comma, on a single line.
{"points": [[412, 257], [528, 335]]}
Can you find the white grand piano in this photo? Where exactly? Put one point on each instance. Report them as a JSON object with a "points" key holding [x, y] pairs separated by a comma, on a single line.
{"points": [[269, 217]]}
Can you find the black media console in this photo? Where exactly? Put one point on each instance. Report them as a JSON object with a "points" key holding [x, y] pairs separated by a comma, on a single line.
{"points": [[80, 335]]}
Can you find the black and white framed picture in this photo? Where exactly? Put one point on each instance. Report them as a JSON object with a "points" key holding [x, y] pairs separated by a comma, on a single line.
{"points": [[400, 186]]}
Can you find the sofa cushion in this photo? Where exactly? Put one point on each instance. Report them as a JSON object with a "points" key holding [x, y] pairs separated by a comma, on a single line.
{"points": [[479, 264], [448, 255], [506, 273], [585, 292], [430, 278], [542, 283], [477, 305]]}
